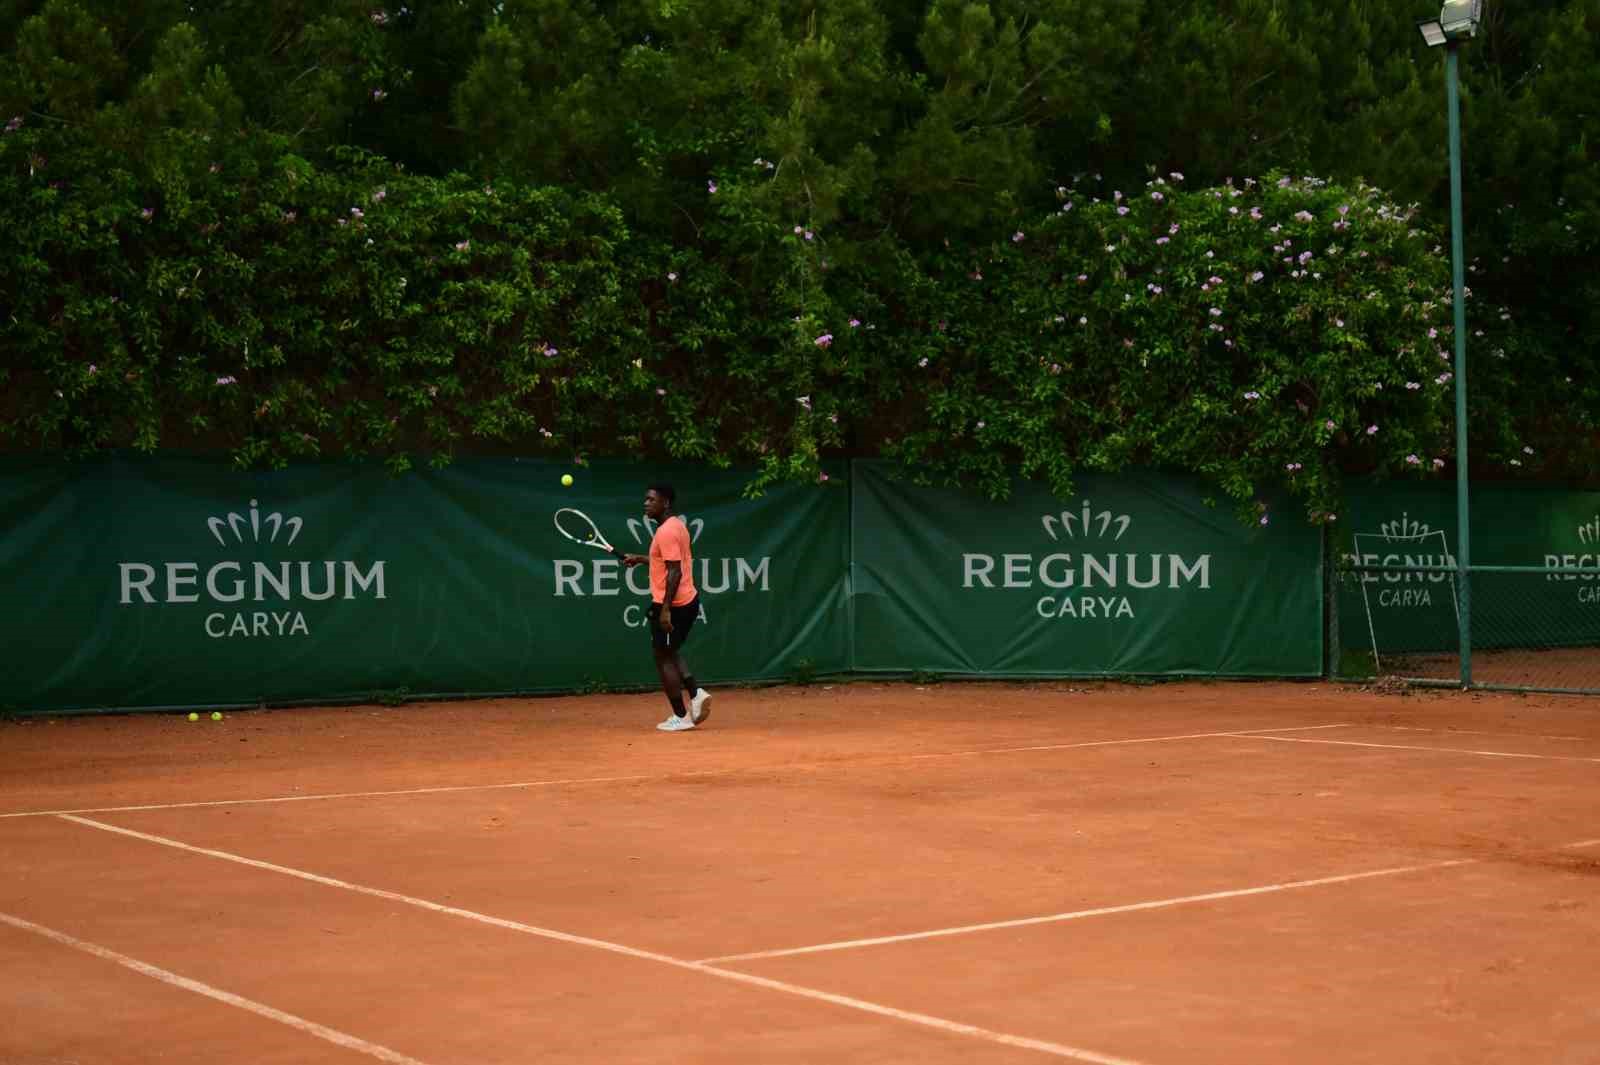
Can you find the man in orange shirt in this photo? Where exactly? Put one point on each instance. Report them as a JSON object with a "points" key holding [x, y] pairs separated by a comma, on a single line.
{"points": [[674, 606]]}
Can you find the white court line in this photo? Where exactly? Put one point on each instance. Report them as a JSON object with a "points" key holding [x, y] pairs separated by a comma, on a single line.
{"points": [[1474, 732], [1116, 743], [635, 778], [1059, 1050], [331, 795], [1585, 843], [1435, 750], [1022, 922], [349, 1042]]}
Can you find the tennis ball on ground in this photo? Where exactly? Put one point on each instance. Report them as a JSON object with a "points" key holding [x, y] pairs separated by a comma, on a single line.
{"points": [[194, 717], [566, 480], [216, 715]]}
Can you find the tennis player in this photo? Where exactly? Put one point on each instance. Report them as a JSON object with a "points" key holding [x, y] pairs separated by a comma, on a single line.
{"points": [[674, 606]]}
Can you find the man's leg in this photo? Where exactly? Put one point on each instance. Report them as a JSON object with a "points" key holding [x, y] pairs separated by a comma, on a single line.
{"points": [[671, 679], [699, 699]]}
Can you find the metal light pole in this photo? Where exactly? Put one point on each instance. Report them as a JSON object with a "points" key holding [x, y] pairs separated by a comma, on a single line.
{"points": [[1458, 21]]}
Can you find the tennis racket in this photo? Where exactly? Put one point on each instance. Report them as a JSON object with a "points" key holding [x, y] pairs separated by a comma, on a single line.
{"points": [[578, 527]]}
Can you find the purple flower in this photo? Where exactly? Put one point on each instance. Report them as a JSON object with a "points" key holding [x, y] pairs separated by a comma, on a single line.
{"points": [[93, 369], [1257, 276], [355, 212], [1067, 206], [834, 418], [1329, 425], [1412, 460], [14, 125], [1016, 238], [1156, 196], [1175, 176], [1264, 519], [1252, 395], [809, 235], [1339, 323], [229, 380], [798, 231], [550, 352], [1438, 463], [1122, 210], [672, 275], [1162, 240], [855, 322], [1216, 312], [378, 95], [148, 213], [823, 341], [711, 187], [1082, 278], [1302, 216], [1372, 430]]}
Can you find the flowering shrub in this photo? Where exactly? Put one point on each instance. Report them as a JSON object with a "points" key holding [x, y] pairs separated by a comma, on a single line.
{"points": [[1265, 335], [1268, 334]]}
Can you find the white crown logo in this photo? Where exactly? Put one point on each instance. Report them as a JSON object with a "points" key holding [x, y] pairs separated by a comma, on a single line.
{"points": [[236, 524], [1404, 527], [1085, 520], [644, 529], [1589, 531]]}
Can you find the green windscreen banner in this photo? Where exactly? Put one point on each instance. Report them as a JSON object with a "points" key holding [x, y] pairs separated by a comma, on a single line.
{"points": [[170, 582], [1135, 575], [1394, 530]]}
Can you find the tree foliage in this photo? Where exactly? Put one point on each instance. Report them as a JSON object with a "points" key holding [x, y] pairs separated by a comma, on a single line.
{"points": [[666, 205]]}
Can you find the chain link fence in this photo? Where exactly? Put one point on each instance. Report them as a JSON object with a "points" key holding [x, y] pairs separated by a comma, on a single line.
{"points": [[1530, 628]]}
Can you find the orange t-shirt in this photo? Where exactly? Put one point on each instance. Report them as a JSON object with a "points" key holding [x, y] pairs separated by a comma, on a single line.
{"points": [[671, 544]]}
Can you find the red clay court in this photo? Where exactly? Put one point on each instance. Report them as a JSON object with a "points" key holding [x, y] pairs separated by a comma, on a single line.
{"points": [[874, 872]]}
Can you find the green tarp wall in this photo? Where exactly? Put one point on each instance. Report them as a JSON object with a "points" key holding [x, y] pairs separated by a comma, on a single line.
{"points": [[1135, 574], [144, 583], [140, 583]]}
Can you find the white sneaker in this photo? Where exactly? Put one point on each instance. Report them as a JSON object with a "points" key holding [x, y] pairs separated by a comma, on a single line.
{"points": [[700, 706], [674, 723]]}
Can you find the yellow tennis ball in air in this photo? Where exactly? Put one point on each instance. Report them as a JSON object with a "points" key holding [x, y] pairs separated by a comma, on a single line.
{"points": [[194, 717], [566, 480], [216, 715]]}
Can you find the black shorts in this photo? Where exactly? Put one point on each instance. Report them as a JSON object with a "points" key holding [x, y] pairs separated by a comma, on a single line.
{"points": [[683, 618]]}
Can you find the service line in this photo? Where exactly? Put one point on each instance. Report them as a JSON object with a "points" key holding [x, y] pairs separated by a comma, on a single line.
{"points": [[320, 1031], [640, 778], [1060, 1050]]}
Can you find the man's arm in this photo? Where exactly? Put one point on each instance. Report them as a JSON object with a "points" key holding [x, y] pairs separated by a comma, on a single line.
{"points": [[674, 575]]}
